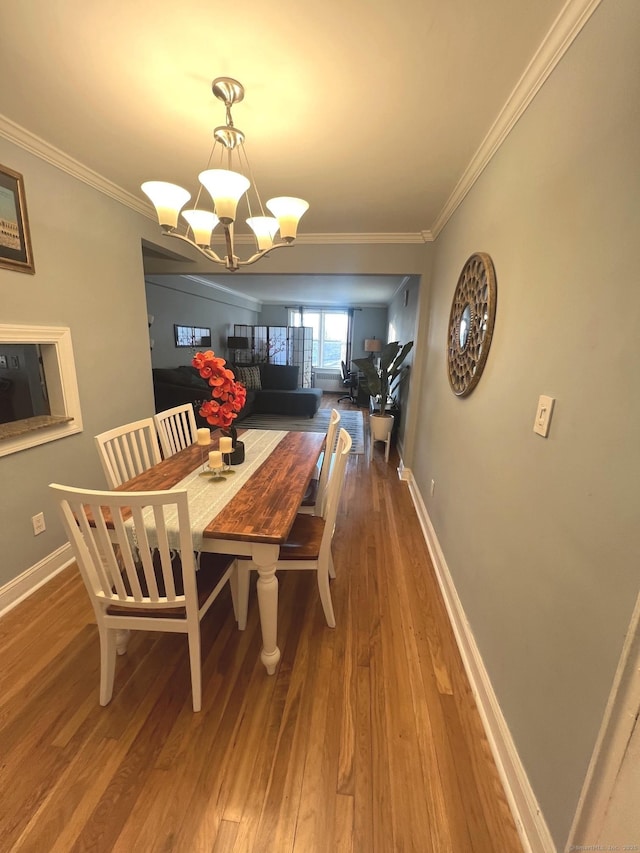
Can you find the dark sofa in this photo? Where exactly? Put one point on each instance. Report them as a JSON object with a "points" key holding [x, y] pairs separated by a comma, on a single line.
{"points": [[277, 394]]}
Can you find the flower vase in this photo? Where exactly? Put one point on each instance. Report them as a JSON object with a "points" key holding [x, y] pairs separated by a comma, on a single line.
{"points": [[236, 457]]}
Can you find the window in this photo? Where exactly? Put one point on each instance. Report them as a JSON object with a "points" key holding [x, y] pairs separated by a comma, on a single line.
{"points": [[330, 335], [41, 400]]}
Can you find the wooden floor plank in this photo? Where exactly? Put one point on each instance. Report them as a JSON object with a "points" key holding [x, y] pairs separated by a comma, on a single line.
{"points": [[366, 739]]}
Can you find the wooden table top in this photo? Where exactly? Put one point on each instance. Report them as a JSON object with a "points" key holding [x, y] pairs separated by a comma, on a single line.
{"points": [[265, 507]]}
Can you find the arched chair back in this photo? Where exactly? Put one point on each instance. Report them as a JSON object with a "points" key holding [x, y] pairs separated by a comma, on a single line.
{"points": [[176, 428], [124, 544], [313, 502], [308, 545], [128, 450]]}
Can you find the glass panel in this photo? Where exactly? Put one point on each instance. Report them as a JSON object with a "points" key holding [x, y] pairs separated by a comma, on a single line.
{"points": [[23, 387], [334, 344]]}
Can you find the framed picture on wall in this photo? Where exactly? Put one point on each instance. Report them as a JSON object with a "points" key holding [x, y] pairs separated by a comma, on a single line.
{"points": [[192, 336], [15, 241]]}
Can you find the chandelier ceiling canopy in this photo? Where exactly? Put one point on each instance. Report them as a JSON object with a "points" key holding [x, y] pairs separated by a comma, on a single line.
{"points": [[226, 186]]}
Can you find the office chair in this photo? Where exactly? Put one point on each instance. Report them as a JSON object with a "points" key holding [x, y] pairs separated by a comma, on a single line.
{"points": [[350, 381]]}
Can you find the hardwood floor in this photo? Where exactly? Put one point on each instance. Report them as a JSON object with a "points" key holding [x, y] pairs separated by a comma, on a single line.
{"points": [[366, 739]]}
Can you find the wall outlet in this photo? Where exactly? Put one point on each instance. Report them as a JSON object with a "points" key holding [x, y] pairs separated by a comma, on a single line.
{"points": [[38, 524]]}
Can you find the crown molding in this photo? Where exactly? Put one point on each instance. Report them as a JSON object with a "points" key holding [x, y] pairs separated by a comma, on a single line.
{"points": [[334, 239], [564, 30], [221, 288], [35, 145]]}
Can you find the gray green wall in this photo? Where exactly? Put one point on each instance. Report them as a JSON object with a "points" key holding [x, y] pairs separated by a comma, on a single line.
{"points": [[541, 535], [88, 262], [90, 277], [179, 300]]}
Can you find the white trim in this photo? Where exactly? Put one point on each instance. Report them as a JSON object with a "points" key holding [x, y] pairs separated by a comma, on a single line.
{"points": [[564, 30], [618, 722], [384, 238], [530, 823], [24, 585], [566, 27], [221, 288], [404, 473], [62, 384], [50, 154]]}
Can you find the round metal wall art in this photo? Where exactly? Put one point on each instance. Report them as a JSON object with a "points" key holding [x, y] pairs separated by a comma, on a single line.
{"points": [[473, 313]]}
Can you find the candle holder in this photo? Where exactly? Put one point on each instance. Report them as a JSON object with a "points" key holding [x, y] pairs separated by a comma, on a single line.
{"points": [[216, 474], [204, 457], [226, 459], [225, 443], [215, 468], [203, 441]]}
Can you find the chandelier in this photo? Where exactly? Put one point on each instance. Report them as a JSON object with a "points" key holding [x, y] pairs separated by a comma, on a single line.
{"points": [[226, 187]]}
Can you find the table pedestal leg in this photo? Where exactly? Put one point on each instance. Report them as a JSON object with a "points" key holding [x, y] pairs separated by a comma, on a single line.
{"points": [[264, 558]]}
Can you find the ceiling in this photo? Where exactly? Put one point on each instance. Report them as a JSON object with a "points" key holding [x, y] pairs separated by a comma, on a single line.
{"points": [[372, 111]]}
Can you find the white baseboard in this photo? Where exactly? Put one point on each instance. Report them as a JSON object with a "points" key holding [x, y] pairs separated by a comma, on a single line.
{"points": [[530, 823], [19, 588]]}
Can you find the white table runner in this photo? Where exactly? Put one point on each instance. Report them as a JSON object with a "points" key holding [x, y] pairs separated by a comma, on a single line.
{"points": [[208, 497]]}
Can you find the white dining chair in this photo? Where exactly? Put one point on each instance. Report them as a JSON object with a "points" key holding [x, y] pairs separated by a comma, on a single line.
{"points": [[132, 580], [176, 428], [308, 545], [313, 501], [128, 450]]}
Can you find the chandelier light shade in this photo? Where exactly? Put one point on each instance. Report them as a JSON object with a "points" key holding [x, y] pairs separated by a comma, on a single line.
{"points": [[226, 187], [167, 200], [202, 223], [288, 212], [265, 228]]}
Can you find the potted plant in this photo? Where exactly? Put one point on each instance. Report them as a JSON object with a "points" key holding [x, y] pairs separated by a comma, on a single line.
{"points": [[382, 382]]}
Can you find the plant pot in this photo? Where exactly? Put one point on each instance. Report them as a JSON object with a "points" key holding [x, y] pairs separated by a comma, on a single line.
{"points": [[380, 426], [236, 457]]}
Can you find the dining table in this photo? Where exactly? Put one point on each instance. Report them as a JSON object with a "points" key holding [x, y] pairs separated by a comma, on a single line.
{"points": [[249, 510]]}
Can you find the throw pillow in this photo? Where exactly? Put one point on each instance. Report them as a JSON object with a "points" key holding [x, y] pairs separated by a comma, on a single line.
{"points": [[280, 377], [250, 377]]}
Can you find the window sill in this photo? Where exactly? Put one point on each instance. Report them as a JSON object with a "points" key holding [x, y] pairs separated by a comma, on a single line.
{"points": [[13, 429]]}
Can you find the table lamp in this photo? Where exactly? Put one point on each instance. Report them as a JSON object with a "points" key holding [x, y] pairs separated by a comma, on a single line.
{"points": [[371, 346]]}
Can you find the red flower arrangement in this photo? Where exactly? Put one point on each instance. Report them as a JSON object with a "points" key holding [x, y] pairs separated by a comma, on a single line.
{"points": [[228, 396]]}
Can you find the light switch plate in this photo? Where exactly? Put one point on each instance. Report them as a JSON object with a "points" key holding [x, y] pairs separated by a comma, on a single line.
{"points": [[543, 415]]}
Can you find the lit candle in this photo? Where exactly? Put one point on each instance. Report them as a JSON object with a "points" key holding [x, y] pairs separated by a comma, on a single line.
{"points": [[215, 459], [226, 444], [204, 437]]}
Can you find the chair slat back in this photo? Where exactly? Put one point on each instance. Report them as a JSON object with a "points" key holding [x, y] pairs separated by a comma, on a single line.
{"points": [[128, 450], [177, 428], [123, 543], [332, 433], [334, 487]]}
